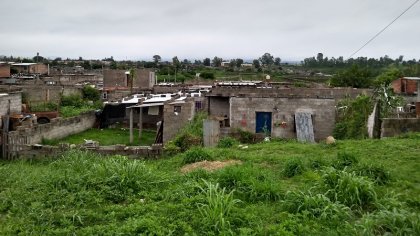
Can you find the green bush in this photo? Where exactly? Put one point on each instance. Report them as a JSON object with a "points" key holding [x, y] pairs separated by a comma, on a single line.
{"points": [[245, 136], [47, 106], [90, 93], [207, 75], [293, 167], [227, 142], [73, 100], [196, 154], [352, 118], [186, 140]]}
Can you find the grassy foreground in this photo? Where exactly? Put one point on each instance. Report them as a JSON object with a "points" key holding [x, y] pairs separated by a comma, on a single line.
{"points": [[106, 137], [281, 188]]}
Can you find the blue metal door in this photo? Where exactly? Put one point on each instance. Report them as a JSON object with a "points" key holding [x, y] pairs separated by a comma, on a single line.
{"points": [[263, 122]]}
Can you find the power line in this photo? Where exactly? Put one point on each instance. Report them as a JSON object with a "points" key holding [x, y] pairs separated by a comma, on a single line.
{"points": [[376, 35]]}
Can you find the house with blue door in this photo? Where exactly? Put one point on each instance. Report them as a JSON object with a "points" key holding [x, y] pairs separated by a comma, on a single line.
{"points": [[306, 114]]}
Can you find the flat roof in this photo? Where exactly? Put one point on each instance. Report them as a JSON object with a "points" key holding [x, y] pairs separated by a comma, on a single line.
{"points": [[146, 105], [23, 64]]}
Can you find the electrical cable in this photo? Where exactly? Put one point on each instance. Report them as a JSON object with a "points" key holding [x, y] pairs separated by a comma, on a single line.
{"points": [[376, 35]]}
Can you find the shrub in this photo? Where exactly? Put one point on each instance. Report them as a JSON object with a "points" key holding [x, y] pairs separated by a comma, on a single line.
{"points": [[207, 75], [47, 106], [90, 93], [245, 136], [227, 142], [195, 155], [186, 140], [293, 167], [73, 100], [348, 188]]}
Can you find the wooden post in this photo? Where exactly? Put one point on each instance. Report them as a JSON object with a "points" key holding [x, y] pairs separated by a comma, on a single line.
{"points": [[131, 125], [140, 122]]}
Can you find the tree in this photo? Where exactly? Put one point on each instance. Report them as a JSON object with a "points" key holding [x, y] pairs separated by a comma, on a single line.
{"points": [[320, 57], [267, 59], [256, 63], [86, 65], [354, 77], [217, 61], [239, 62], [176, 64], [206, 61], [277, 61], [156, 59]]}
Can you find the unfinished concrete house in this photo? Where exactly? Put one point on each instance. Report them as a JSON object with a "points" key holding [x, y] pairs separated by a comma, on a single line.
{"points": [[305, 114], [116, 83]]}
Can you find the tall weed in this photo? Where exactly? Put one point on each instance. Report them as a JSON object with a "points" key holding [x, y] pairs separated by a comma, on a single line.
{"points": [[390, 222], [217, 207], [348, 188], [293, 167], [315, 206]]}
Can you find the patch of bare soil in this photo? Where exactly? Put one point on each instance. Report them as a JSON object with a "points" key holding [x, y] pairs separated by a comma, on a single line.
{"points": [[209, 165]]}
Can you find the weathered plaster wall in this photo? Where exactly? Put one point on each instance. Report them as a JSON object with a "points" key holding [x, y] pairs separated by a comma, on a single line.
{"points": [[243, 114], [58, 128], [15, 103], [174, 122], [393, 126]]}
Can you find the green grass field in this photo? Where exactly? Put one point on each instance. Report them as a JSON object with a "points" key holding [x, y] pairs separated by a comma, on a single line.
{"points": [[106, 137], [355, 187]]}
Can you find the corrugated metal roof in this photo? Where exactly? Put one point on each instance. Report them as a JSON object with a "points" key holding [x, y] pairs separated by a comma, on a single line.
{"points": [[147, 105], [23, 64], [412, 78]]}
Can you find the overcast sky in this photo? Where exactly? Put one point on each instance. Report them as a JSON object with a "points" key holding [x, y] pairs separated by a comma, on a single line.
{"points": [[195, 29]]}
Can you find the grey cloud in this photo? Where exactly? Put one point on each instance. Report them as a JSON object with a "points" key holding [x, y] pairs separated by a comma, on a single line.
{"points": [[197, 28]]}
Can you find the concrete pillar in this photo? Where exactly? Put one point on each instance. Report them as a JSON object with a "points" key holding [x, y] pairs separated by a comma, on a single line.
{"points": [[131, 125], [140, 122]]}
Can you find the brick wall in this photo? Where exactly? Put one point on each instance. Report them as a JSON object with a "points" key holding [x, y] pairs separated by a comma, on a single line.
{"points": [[15, 103], [395, 126], [243, 114], [404, 86], [58, 128], [175, 122], [4, 70]]}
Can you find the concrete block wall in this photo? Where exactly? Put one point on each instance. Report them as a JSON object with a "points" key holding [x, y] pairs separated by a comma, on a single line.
{"points": [[173, 122], [58, 128], [336, 93], [218, 106], [391, 127], [15, 103], [243, 114], [36, 94]]}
